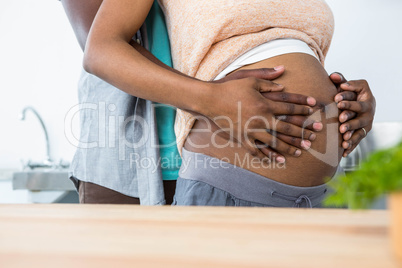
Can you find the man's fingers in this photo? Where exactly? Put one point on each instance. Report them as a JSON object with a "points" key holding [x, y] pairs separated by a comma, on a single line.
{"points": [[337, 78], [254, 150], [266, 85], [278, 145], [302, 121], [347, 135], [355, 106], [353, 142], [269, 152], [297, 142], [346, 115], [263, 73], [263, 152], [354, 124], [346, 95], [356, 85], [362, 111], [290, 97], [280, 108], [292, 130], [269, 73]]}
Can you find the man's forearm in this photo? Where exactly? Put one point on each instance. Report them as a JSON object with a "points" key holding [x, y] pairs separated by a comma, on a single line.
{"points": [[81, 15]]}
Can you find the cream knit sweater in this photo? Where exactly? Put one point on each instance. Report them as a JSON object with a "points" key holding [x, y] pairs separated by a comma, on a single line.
{"points": [[207, 35]]}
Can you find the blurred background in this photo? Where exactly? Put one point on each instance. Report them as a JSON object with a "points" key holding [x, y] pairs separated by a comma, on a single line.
{"points": [[40, 62]]}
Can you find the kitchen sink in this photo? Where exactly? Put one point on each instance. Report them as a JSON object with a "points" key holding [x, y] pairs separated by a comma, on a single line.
{"points": [[43, 180]]}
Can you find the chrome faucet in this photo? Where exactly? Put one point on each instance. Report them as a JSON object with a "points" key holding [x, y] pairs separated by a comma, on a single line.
{"points": [[48, 160]]}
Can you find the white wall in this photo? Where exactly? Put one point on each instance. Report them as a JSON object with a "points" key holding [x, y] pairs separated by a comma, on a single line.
{"points": [[368, 44], [40, 63]]}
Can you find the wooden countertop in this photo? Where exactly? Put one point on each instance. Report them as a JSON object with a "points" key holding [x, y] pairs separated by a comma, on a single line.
{"points": [[133, 236]]}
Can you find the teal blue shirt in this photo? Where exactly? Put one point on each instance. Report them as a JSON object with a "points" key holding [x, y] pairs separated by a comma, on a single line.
{"points": [[159, 46]]}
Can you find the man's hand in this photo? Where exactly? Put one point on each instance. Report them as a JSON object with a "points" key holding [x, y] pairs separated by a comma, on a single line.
{"points": [[266, 136], [358, 112]]}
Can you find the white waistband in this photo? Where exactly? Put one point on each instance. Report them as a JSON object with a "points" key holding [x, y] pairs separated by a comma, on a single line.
{"points": [[268, 50]]}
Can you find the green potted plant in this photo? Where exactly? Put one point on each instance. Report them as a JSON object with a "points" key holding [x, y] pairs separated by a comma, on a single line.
{"points": [[380, 173]]}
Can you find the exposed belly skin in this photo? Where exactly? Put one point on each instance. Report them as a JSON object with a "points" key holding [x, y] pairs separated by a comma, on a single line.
{"points": [[303, 75]]}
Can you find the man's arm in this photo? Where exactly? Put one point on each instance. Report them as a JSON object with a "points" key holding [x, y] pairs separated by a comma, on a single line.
{"points": [[81, 14]]}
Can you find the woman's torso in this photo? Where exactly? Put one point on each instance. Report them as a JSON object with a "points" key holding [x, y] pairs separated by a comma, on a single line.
{"points": [[303, 75]]}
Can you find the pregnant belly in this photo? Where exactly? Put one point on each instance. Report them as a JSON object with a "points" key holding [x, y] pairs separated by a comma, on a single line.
{"points": [[303, 75]]}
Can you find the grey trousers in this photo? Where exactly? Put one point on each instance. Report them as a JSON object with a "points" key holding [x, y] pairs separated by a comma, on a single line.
{"points": [[207, 181]]}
